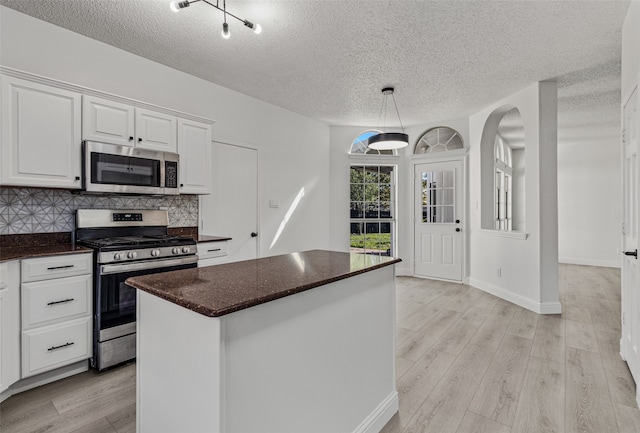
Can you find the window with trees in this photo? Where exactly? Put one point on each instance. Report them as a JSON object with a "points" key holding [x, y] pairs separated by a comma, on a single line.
{"points": [[372, 216]]}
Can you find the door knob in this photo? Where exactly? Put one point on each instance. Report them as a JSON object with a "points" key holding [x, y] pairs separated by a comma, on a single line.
{"points": [[458, 229], [254, 234], [632, 253], [457, 221]]}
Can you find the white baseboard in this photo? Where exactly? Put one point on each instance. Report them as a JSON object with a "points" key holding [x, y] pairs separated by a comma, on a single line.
{"points": [[590, 262], [403, 272], [44, 378], [529, 304], [380, 416]]}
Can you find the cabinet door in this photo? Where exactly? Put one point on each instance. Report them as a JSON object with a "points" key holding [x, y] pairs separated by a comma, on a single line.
{"points": [[9, 324], [156, 131], [41, 135], [194, 147], [107, 121]]}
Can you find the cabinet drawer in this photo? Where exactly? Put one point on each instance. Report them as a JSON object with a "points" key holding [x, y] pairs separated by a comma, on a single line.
{"points": [[209, 250], [54, 346], [50, 301], [44, 268]]}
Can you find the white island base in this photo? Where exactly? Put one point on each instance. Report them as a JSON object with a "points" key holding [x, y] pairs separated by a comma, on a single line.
{"points": [[321, 360]]}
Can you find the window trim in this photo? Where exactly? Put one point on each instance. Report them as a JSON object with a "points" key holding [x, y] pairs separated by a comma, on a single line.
{"points": [[366, 160]]}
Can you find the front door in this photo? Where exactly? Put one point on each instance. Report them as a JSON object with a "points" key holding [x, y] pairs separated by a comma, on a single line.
{"points": [[438, 227], [630, 279], [232, 208]]}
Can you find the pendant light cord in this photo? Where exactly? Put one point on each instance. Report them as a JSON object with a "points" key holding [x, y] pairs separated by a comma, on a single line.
{"points": [[397, 112]]}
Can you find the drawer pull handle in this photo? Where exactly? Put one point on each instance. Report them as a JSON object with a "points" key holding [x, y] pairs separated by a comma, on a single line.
{"points": [[60, 267], [60, 302], [60, 347], [211, 251]]}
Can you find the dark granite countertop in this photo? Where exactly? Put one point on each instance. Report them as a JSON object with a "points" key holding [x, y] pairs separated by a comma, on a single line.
{"points": [[27, 252], [206, 238], [222, 289]]}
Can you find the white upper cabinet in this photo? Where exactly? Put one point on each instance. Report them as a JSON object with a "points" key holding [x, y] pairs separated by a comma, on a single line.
{"points": [[107, 121], [156, 131], [194, 147], [41, 135], [117, 123]]}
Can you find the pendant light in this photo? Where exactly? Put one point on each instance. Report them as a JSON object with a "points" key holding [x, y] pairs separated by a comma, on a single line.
{"points": [[177, 5], [388, 140]]}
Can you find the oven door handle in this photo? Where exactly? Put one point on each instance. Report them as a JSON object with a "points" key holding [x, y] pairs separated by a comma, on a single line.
{"points": [[149, 264]]}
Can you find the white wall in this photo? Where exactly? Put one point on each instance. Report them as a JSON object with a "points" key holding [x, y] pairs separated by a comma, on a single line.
{"points": [[529, 267], [631, 50], [589, 202], [294, 150]]}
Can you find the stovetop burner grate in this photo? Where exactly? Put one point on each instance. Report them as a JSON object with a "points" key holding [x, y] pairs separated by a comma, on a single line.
{"points": [[154, 240]]}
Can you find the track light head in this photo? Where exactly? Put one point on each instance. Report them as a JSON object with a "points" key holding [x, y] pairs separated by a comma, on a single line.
{"points": [[257, 28], [177, 5]]}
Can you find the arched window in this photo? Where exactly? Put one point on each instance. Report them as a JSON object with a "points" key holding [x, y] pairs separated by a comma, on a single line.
{"points": [[502, 156], [373, 193], [359, 145], [438, 139]]}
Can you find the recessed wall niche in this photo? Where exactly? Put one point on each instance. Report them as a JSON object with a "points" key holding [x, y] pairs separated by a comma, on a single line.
{"points": [[503, 171]]}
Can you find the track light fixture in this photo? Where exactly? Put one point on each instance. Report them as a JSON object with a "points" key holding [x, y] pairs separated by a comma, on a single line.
{"points": [[388, 140], [177, 5]]}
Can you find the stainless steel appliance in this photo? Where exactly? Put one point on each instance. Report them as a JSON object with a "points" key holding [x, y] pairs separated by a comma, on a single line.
{"points": [[125, 169], [126, 243]]}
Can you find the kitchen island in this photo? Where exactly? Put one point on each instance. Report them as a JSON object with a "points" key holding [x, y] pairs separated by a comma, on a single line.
{"points": [[302, 342]]}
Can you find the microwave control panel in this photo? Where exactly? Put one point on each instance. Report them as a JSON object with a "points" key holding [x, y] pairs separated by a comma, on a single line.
{"points": [[170, 174]]}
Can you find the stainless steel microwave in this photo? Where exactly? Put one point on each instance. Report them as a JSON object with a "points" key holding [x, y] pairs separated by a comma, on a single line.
{"points": [[111, 168]]}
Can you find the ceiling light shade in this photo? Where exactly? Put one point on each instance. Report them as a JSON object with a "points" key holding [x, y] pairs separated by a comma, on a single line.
{"points": [[388, 140], [177, 5]]}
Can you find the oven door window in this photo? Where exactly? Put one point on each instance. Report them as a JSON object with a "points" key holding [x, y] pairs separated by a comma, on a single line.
{"points": [[116, 302], [124, 170]]}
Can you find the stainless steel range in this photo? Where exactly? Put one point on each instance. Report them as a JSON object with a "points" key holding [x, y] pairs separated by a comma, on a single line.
{"points": [[126, 243]]}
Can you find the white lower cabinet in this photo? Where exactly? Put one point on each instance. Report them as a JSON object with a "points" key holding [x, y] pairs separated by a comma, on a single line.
{"points": [[211, 253], [56, 312], [9, 324], [47, 302], [49, 347]]}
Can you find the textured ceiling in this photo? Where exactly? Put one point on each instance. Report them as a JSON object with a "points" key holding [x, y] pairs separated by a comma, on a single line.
{"points": [[328, 60]]}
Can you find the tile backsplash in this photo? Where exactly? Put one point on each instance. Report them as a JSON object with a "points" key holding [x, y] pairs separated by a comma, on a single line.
{"points": [[36, 210]]}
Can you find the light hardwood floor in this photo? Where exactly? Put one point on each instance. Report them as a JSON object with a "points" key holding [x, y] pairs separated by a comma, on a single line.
{"points": [[467, 362]]}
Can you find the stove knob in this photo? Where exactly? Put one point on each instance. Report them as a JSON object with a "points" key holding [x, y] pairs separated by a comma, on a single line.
{"points": [[155, 253], [175, 250], [132, 255], [186, 249], [117, 256]]}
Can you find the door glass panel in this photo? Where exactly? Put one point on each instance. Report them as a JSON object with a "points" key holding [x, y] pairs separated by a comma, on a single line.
{"points": [[438, 195]]}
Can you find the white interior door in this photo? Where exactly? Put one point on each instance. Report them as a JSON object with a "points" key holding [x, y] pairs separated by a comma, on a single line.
{"points": [[232, 208], [630, 279], [438, 225]]}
